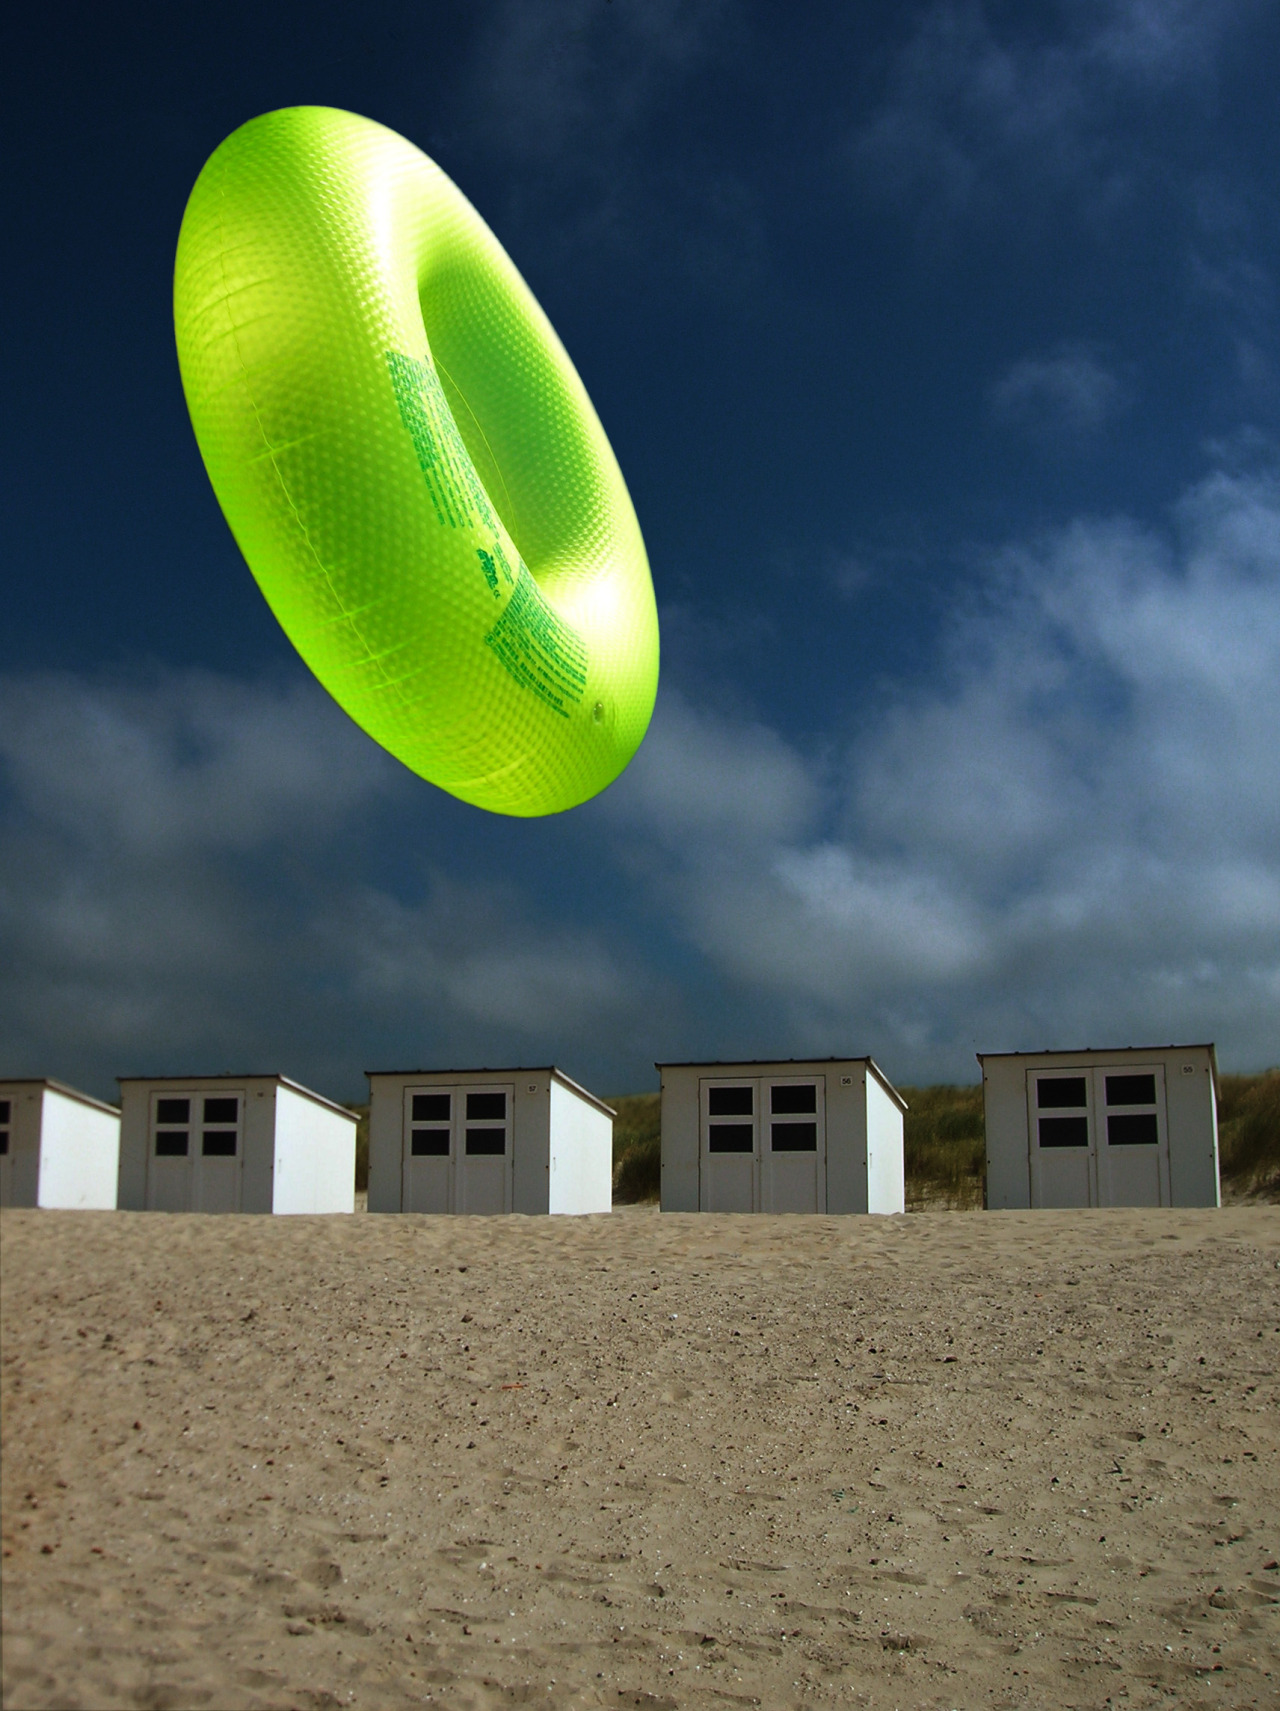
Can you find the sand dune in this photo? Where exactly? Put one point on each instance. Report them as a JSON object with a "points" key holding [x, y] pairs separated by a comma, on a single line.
{"points": [[943, 1460]]}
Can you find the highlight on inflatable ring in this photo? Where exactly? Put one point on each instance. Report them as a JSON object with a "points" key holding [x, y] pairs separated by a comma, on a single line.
{"points": [[411, 465]]}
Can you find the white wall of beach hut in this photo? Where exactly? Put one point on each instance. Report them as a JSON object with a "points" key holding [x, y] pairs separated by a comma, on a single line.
{"points": [[59, 1148]]}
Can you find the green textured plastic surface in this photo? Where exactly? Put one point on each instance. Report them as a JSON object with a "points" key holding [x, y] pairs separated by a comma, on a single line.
{"points": [[411, 465]]}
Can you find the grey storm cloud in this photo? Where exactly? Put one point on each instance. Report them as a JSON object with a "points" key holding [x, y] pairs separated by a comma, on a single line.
{"points": [[1071, 833], [182, 886]]}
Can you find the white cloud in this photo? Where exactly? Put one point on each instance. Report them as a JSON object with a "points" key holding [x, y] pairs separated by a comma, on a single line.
{"points": [[711, 783], [1073, 834], [1067, 392]]}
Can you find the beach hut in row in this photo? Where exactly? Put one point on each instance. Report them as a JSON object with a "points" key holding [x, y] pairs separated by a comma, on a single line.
{"points": [[1136, 1126], [233, 1143], [487, 1140], [58, 1147], [794, 1135]]}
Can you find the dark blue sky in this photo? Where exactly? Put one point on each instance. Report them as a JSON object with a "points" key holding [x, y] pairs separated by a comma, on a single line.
{"points": [[939, 346]]}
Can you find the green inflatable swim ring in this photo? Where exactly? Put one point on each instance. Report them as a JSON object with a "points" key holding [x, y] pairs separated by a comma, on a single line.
{"points": [[411, 465]]}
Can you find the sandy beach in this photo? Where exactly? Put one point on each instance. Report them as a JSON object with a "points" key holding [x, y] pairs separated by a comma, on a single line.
{"points": [[949, 1460]]}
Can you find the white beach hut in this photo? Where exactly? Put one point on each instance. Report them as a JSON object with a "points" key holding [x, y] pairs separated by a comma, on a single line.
{"points": [[795, 1135], [58, 1147], [487, 1141], [233, 1143], [1137, 1126]]}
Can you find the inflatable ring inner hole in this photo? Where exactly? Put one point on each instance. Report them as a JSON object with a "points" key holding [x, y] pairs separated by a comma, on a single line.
{"points": [[482, 454], [548, 519]]}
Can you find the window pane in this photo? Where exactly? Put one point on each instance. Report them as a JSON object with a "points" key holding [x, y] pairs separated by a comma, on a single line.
{"points": [[173, 1110], [731, 1137], [1131, 1090], [4, 1110], [1064, 1131], [172, 1143], [432, 1107], [221, 1110], [484, 1105], [790, 1099], [795, 1137], [4, 1142], [429, 1143], [1060, 1090], [486, 1140], [731, 1101], [1134, 1129], [219, 1143]]}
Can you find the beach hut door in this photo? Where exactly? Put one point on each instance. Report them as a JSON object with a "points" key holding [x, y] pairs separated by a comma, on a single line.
{"points": [[1133, 1142], [217, 1153], [729, 1161], [458, 1152], [484, 1152], [1064, 1166], [427, 1179], [169, 1153], [194, 1152], [793, 1154]]}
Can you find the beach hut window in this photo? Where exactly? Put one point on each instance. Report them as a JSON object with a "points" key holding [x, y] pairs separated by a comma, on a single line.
{"points": [[1064, 1131], [731, 1138], [1059, 1090], [489, 1110], [1129, 1127], [4, 1126], [436, 1109], [790, 1099], [1132, 1129], [1057, 1093], [171, 1141], [1131, 1090], [794, 1137], [486, 1142], [220, 1142], [731, 1102]]}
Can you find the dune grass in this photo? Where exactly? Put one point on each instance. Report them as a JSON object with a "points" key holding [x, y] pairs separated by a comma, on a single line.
{"points": [[637, 1147], [944, 1147], [1249, 1134]]}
